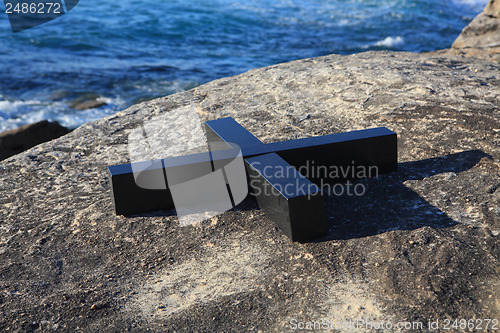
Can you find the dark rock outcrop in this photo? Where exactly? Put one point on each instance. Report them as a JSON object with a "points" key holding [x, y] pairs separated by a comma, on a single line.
{"points": [[17, 140], [87, 101]]}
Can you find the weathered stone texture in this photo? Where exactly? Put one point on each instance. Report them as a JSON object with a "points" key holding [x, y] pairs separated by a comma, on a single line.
{"points": [[421, 243]]}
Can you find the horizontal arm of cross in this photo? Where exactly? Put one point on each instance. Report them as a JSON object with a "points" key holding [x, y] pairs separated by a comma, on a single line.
{"points": [[370, 148]]}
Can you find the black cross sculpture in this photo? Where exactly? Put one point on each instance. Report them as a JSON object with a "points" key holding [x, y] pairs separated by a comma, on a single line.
{"points": [[300, 214]]}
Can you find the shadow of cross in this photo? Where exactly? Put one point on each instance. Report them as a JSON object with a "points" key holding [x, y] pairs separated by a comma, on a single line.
{"points": [[388, 204], [283, 176]]}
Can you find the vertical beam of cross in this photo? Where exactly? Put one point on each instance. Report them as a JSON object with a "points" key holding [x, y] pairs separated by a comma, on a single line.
{"points": [[294, 203]]}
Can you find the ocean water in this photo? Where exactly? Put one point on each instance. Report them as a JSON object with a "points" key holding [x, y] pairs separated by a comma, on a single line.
{"points": [[129, 51]]}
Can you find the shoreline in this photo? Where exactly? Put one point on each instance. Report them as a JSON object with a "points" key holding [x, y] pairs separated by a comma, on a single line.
{"points": [[48, 96], [475, 40]]}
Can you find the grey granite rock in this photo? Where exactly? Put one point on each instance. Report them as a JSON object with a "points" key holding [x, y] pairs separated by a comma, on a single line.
{"points": [[421, 244], [483, 31]]}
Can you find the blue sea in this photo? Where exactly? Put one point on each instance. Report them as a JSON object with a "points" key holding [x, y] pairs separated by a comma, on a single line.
{"points": [[129, 51]]}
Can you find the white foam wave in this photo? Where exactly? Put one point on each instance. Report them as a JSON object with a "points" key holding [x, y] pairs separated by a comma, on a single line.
{"points": [[14, 114], [13, 107], [390, 41], [478, 5]]}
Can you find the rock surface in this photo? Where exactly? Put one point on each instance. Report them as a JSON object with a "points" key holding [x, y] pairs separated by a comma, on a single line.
{"points": [[17, 140], [421, 244], [483, 31]]}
